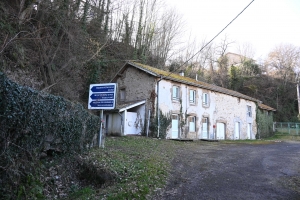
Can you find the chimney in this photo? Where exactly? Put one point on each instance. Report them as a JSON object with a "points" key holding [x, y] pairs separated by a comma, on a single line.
{"points": [[181, 73]]}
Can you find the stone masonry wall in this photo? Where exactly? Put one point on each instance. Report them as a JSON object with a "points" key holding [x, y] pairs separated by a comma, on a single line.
{"points": [[138, 85], [221, 108]]}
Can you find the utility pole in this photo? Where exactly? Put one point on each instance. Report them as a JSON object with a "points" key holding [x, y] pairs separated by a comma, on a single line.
{"points": [[298, 97]]}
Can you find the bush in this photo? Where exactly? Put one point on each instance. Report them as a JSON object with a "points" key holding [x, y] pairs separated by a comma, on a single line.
{"points": [[33, 123]]}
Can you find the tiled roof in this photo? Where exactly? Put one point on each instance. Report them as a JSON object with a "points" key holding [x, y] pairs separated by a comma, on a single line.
{"points": [[265, 107], [182, 79]]}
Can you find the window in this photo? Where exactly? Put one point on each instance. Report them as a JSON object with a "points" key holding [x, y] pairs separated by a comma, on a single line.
{"points": [[175, 93], [205, 99], [192, 124], [249, 111], [192, 96], [122, 94]]}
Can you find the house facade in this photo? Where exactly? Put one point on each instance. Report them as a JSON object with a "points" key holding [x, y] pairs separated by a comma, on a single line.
{"points": [[196, 110]]}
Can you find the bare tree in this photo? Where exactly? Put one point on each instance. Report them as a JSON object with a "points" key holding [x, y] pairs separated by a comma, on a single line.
{"points": [[284, 62]]}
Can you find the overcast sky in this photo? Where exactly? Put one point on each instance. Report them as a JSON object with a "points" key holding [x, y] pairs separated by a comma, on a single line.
{"points": [[264, 24]]}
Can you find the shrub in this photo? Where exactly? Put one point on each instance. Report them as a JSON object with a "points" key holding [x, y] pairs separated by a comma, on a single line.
{"points": [[33, 123]]}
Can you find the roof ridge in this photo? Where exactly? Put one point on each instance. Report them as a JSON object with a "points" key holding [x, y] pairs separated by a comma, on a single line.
{"points": [[190, 81]]}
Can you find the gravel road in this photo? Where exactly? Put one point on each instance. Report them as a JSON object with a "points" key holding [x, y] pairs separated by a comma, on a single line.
{"points": [[215, 170]]}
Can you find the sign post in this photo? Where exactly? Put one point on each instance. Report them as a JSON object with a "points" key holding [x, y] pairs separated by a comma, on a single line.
{"points": [[102, 97]]}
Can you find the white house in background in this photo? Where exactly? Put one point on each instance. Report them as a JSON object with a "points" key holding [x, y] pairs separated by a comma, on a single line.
{"points": [[198, 110]]}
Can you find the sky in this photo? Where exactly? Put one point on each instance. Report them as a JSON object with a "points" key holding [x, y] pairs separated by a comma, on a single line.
{"points": [[264, 25]]}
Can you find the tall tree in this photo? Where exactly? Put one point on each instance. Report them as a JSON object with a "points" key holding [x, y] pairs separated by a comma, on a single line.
{"points": [[284, 62]]}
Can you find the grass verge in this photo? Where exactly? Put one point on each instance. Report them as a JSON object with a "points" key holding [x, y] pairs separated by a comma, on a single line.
{"points": [[140, 164]]}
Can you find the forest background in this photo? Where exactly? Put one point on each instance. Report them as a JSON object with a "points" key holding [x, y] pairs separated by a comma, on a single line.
{"points": [[62, 46]]}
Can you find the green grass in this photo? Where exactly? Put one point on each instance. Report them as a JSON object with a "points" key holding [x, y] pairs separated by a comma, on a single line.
{"points": [[285, 137], [141, 166]]}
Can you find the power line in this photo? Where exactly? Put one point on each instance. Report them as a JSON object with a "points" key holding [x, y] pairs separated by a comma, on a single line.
{"points": [[212, 38]]}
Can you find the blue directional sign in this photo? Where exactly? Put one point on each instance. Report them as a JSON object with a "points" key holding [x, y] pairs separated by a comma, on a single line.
{"points": [[102, 96], [103, 88], [105, 104]]}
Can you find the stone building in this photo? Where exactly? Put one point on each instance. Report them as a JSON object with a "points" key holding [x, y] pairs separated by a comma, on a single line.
{"points": [[188, 108]]}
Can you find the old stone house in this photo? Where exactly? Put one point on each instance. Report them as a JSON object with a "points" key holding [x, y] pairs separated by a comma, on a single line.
{"points": [[194, 109], [236, 59]]}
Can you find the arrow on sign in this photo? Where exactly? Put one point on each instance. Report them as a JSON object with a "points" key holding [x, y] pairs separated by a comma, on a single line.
{"points": [[102, 96], [101, 104], [108, 88]]}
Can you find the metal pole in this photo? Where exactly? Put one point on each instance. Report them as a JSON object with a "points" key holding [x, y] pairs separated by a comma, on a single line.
{"points": [[100, 134]]}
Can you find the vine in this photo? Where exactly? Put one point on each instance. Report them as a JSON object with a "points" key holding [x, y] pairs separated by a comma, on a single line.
{"points": [[165, 122]]}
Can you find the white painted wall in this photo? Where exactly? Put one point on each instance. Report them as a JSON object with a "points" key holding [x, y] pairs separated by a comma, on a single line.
{"points": [[117, 125], [222, 108]]}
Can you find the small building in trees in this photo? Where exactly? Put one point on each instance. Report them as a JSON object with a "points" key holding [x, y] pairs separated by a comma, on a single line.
{"points": [[237, 59], [185, 108]]}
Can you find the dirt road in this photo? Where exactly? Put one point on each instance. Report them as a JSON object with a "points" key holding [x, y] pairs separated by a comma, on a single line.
{"points": [[235, 171]]}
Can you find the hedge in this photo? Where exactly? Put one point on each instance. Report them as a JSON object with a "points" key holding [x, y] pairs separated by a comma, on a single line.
{"points": [[33, 123]]}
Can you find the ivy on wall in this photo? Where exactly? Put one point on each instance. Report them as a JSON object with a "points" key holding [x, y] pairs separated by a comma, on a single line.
{"points": [[32, 123], [265, 124], [165, 122]]}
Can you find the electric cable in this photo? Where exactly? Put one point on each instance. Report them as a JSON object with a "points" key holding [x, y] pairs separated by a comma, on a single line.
{"points": [[211, 39]]}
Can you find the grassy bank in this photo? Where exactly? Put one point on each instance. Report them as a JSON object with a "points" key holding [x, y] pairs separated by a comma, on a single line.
{"points": [[140, 166]]}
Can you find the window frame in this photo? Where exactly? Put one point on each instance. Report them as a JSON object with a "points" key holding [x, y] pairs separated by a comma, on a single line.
{"points": [[249, 111], [192, 119], [176, 97], [205, 99], [122, 94], [193, 95]]}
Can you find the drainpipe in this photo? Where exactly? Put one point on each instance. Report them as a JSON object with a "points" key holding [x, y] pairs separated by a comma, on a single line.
{"points": [[148, 122], [157, 107]]}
